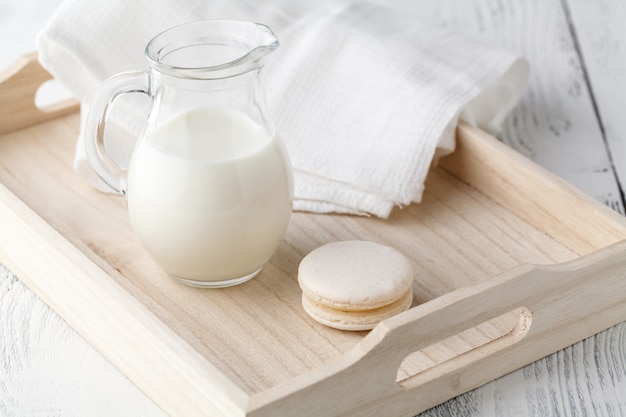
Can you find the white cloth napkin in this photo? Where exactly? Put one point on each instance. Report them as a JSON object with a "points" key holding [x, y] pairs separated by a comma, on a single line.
{"points": [[364, 97]]}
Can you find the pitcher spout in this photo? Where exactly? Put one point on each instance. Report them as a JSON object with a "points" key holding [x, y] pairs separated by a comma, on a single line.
{"points": [[211, 49]]}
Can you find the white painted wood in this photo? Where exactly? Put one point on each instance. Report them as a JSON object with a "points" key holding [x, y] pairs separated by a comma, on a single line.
{"points": [[600, 29], [47, 369]]}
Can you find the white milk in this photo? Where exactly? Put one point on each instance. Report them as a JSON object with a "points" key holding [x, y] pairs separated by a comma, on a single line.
{"points": [[209, 195]]}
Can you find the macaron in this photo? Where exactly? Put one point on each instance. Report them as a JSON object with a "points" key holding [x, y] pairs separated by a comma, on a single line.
{"points": [[355, 284]]}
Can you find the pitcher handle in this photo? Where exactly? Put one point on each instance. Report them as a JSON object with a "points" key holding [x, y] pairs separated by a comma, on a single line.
{"points": [[115, 86]]}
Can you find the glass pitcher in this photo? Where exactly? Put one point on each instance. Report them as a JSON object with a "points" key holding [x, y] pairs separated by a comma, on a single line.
{"points": [[209, 184]]}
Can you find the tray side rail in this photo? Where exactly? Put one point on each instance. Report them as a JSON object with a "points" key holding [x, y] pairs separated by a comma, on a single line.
{"points": [[18, 87], [535, 194], [558, 305]]}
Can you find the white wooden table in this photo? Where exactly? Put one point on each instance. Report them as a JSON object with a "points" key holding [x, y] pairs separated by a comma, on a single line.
{"points": [[572, 120]]}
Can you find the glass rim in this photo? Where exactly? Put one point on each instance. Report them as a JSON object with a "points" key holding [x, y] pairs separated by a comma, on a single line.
{"points": [[259, 37]]}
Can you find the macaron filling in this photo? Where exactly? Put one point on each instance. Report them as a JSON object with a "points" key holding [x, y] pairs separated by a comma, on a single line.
{"points": [[354, 320]]}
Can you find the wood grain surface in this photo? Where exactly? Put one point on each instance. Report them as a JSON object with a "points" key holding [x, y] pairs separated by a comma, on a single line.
{"points": [[570, 120]]}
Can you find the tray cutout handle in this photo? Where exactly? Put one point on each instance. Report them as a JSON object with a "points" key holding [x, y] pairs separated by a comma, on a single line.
{"points": [[18, 87], [492, 336]]}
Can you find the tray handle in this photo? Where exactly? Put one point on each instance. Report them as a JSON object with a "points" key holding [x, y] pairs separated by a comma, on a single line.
{"points": [[557, 305], [18, 86]]}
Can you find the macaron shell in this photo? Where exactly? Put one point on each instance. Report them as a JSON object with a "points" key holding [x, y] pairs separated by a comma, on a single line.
{"points": [[355, 275], [354, 320]]}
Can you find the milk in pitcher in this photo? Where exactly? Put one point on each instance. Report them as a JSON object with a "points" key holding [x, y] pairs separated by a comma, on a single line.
{"points": [[209, 195]]}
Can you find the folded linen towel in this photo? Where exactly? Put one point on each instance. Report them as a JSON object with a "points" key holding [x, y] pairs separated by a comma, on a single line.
{"points": [[364, 97]]}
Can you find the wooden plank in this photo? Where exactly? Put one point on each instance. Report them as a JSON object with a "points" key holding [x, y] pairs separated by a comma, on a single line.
{"points": [[600, 29]]}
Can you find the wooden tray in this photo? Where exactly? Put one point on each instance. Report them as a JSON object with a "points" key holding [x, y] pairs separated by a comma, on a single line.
{"points": [[512, 264]]}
